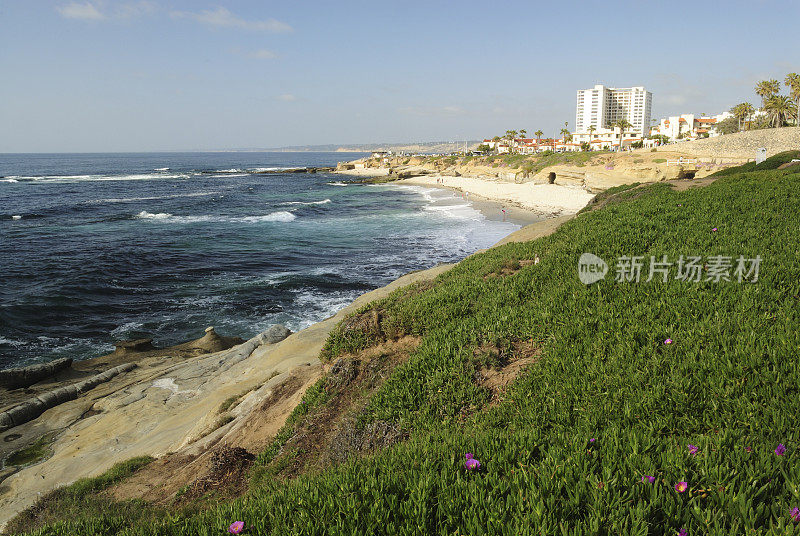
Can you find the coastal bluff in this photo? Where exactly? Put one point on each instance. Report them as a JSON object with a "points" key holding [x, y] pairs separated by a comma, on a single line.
{"points": [[590, 171]]}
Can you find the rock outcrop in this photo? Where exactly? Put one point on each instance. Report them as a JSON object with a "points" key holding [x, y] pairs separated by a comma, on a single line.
{"points": [[26, 376], [32, 408]]}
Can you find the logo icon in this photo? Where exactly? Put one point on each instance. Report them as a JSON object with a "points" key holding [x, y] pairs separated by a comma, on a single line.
{"points": [[591, 268]]}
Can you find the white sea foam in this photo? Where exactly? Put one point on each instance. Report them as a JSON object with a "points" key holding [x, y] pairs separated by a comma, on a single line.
{"points": [[153, 198], [323, 202], [232, 170], [9, 180], [337, 184], [464, 211], [88, 178], [12, 342], [125, 328], [318, 305], [280, 216], [161, 169], [16, 217], [275, 216], [144, 215]]}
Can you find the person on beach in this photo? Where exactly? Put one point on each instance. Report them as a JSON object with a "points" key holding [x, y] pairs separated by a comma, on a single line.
{"points": [[504, 213]]}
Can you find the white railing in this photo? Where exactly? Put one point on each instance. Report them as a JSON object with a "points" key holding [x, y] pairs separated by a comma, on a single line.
{"points": [[680, 161]]}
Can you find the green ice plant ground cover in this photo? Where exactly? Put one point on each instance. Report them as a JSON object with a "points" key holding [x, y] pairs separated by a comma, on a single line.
{"points": [[594, 438]]}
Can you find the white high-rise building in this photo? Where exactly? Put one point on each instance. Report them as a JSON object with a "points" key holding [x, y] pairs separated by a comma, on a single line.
{"points": [[603, 106]]}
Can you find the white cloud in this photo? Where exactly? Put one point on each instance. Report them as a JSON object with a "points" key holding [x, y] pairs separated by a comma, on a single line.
{"points": [[95, 10], [81, 11], [263, 54], [286, 97], [221, 17], [135, 9]]}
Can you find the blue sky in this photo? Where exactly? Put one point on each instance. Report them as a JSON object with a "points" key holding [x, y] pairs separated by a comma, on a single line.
{"points": [[134, 75]]}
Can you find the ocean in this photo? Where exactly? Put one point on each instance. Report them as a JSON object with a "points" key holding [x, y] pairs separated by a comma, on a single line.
{"points": [[96, 248]]}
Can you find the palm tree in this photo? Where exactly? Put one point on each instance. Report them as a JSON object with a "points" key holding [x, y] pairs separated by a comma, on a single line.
{"points": [[622, 125], [780, 109], [767, 89], [748, 111], [538, 135], [511, 135], [523, 133], [566, 134], [591, 130], [741, 112], [792, 81]]}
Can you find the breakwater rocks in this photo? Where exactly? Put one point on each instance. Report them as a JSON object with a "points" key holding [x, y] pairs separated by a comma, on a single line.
{"points": [[293, 170]]}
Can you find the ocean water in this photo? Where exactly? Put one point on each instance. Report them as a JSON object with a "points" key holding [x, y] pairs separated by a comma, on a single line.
{"points": [[101, 247]]}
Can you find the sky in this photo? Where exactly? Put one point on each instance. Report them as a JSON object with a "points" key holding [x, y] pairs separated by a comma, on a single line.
{"points": [[162, 75]]}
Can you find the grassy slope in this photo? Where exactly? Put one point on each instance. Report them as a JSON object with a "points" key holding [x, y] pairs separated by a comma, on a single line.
{"points": [[729, 381]]}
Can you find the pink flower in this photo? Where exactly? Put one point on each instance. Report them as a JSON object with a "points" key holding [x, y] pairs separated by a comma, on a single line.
{"points": [[693, 450], [680, 487], [795, 513], [682, 532], [714, 230], [668, 341], [236, 527], [748, 449], [471, 464], [780, 450], [648, 478]]}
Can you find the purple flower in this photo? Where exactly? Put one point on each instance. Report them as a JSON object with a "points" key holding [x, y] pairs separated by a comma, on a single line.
{"points": [[472, 464], [236, 527], [795, 513], [668, 341], [680, 487], [780, 450], [682, 532], [592, 440], [714, 230], [648, 478], [748, 449], [693, 450], [468, 456]]}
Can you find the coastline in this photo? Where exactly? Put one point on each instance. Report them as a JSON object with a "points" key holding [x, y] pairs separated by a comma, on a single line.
{"points": [[168, 407], [548, 200]]}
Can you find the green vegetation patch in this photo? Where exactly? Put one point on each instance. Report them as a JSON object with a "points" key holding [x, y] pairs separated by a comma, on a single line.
{"points": [[34, 453], [771, 163], [79, 505]]}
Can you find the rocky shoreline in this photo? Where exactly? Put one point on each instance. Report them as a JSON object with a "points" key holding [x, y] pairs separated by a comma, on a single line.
{"points": [[167, 403]]}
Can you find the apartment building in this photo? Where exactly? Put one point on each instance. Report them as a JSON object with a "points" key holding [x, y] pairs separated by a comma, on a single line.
{"points": [[600, 107]]}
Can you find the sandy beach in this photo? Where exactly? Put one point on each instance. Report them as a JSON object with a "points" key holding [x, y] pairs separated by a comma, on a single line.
{"points": [[365, 172], [546, 199]]}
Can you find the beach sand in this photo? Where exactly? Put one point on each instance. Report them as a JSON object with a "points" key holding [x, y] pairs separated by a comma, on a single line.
{"points": [[549, 200], [365, 172]]}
